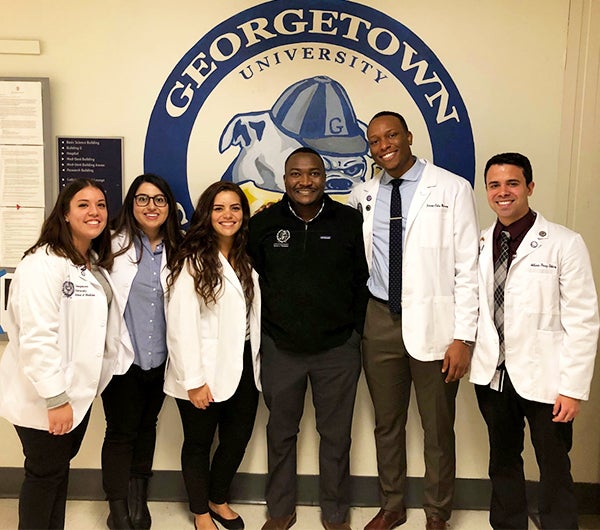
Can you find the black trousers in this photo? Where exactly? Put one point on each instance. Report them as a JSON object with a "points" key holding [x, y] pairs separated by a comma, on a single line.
{"points": [[43, 497], [333, 376], [504, 413], [234, 418], [131, 402]]}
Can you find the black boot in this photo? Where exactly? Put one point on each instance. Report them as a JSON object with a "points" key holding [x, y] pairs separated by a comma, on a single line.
{"points": [[118, 518], [138, 503]]}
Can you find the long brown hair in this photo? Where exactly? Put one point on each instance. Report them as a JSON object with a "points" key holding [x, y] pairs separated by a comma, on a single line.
{"points": [[125, 221], [56, 232], [200, 250]]}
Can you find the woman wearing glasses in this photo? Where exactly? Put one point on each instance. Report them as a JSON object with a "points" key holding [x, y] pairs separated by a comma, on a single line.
{"points": [[146, 234], [213, 337]]}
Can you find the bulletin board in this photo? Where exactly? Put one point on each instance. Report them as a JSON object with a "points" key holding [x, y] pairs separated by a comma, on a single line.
{"points": [[26, 183]]}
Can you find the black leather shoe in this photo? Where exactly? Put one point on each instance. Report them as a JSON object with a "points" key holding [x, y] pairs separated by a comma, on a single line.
{"points": [[138, 503], [118, 518], [230, 524]]}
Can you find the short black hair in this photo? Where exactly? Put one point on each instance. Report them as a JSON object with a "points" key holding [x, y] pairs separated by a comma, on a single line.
{"points": [[514, 159], [394, 114], [305, 150]]}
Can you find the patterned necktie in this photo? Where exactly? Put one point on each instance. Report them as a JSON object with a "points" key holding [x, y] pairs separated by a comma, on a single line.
{"points": [[395, 265], [500, 271]]}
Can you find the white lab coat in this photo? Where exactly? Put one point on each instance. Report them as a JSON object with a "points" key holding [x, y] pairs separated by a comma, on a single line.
{"points": [[122, 274], [550, 315], [206, 343], [56, 323], [439, 264]]}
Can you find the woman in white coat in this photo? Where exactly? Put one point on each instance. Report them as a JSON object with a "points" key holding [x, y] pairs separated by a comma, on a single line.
{"points": [[55, 362], [146, 234], [213, 339]]}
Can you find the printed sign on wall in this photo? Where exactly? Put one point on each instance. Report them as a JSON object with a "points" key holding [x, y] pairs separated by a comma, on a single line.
{"points": [[100, 159]]}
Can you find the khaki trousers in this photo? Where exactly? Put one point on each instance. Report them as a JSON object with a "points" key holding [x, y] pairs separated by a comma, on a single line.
{"points": [[390, 371]]}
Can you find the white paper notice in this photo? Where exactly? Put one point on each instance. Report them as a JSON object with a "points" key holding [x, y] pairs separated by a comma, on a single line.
{"points": [[21, 120], [19, 229], [22, 175]]}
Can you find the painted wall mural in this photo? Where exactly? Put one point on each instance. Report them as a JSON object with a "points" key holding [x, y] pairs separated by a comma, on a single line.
{"points": [[288, 73]]}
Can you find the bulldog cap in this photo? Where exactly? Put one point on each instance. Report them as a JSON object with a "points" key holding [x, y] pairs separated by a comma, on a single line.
{"points": [[318, 112]]}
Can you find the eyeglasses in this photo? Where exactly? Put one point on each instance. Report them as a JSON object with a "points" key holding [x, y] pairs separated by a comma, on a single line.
{"points": [[160, 201]]}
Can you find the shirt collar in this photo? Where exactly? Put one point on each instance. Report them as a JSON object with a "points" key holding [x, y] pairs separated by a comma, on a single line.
{"points": [[289, 203], [142, 240], [518, 228], [412, 174]]}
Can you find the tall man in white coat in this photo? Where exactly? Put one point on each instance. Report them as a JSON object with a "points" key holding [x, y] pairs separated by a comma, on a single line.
{"points": [[536, 345], [425, 340]]}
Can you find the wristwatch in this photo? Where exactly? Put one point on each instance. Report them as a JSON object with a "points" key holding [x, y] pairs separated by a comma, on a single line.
{"points": [[469, 343]]}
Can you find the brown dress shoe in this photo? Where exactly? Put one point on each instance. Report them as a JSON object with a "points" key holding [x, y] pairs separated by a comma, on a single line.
{"points": [[336, 526], [435, 523], [387, 519], [280, 523]]}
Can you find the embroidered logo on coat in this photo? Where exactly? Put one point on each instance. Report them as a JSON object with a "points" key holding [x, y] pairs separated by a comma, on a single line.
{"points": [[68, 289], [283, 236]]}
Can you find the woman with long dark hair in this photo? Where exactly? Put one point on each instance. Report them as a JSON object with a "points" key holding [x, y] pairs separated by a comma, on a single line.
{"points": [[55, 362], [213, 338], [146, 234]]}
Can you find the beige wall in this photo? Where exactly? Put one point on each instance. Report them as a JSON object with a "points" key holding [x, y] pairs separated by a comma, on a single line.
{"points": [[527, 71]]}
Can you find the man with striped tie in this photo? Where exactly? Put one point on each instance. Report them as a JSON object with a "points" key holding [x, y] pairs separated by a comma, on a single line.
{"points": [[536, 342]]}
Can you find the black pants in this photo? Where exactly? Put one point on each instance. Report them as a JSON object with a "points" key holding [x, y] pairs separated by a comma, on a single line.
{"points": [[131, 402], [504, 413], [333, 376], [43, 497], [206, 480]]}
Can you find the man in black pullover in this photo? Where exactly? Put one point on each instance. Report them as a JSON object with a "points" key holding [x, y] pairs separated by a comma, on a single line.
{"points": [[309, 253]]}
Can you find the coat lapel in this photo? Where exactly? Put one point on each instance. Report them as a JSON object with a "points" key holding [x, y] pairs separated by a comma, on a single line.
{"points": [[533, 240], [230, 276], [424, 188]]}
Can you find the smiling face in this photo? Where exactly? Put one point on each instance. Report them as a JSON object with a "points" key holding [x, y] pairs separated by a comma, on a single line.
{"points": [[507, 192], [227, 215], [150, 217], [390, 145], [86, 217], [304, 180]]}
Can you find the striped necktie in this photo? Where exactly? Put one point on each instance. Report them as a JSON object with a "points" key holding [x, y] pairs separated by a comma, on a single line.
{"points": [[500, 271]]}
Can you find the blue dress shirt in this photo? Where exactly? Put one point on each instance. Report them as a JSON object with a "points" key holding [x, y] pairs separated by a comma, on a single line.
{"points": [[145, 314], [378, 280]]}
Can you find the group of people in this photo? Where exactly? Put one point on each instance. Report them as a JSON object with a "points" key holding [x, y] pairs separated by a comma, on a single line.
{"points": [[294, 294], [87, 316]]}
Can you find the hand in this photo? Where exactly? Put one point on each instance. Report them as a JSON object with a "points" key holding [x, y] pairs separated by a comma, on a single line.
{"points": [[456, 361], [201, 397], [60, 419], [265, 206], [565, 409]]}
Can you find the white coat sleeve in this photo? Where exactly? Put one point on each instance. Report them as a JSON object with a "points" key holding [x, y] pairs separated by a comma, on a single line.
{"points": [[579, 320], [184, 341], [41, 278], [466, 252]]}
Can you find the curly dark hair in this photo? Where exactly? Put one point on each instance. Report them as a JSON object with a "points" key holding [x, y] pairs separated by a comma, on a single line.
{"points": [[56, 232], [125, 221], [199, 250]]}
